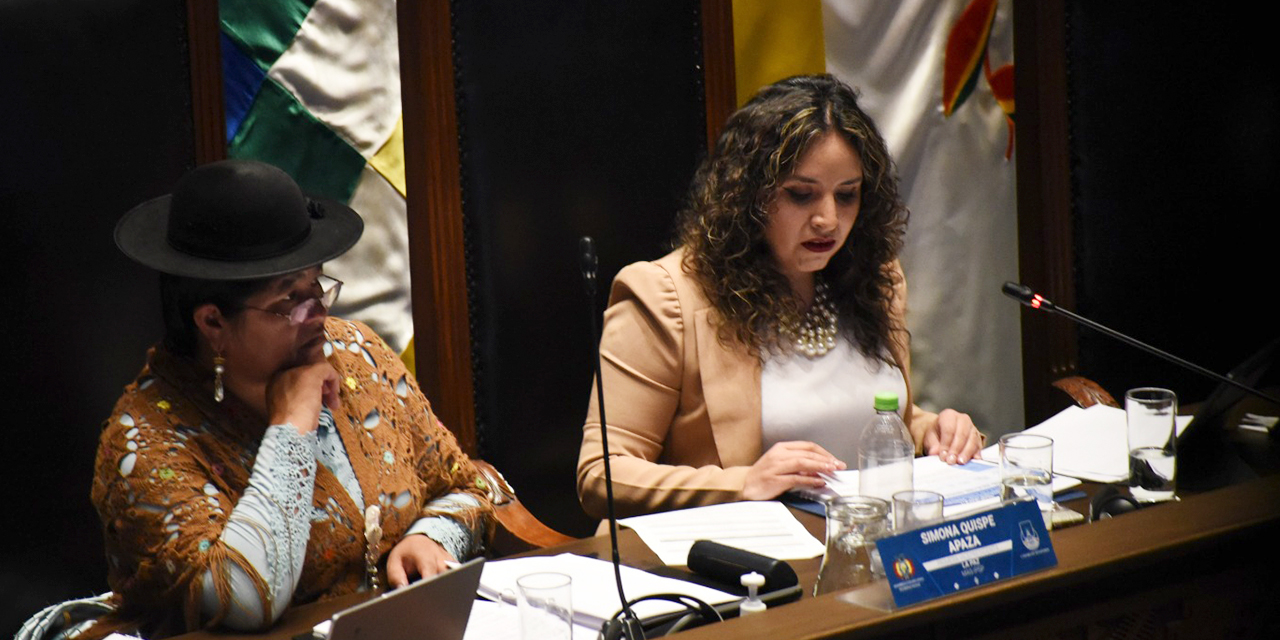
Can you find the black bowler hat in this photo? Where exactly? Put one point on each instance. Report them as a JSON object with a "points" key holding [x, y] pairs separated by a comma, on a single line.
{"points": [[237, 220]]}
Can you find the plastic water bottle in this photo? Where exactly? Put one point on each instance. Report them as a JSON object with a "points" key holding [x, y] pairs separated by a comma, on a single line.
{"points": [[885, 452]]}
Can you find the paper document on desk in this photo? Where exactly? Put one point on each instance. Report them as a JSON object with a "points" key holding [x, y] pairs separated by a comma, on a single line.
{"points": [[595, 591], [1090, 444], [964, 487], [766, 528]]}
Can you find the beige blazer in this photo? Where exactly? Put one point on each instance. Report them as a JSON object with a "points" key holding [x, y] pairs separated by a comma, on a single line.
{"points": [[683, 409]]}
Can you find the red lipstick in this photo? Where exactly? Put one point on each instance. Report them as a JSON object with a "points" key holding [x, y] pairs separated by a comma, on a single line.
{"points": [[822, 245]]}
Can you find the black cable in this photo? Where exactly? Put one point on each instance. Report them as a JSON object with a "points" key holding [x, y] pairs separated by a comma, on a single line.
{"points": [[696, 610]]}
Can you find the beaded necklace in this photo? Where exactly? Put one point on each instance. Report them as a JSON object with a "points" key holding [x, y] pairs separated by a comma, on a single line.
{"points": [[815, 333]]}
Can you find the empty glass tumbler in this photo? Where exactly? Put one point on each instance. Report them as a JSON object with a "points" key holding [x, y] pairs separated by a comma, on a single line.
{"points": [[854, 523]]}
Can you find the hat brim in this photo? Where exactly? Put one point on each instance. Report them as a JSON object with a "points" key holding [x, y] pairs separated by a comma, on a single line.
{"points": [[142, 234]]}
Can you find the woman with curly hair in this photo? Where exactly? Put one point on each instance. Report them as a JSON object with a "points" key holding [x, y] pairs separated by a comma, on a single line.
{"points": [[744, 363]]}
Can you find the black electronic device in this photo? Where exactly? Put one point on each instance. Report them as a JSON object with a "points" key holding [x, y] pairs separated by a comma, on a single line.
{"points": [[727, 565], [1110, 502], [1207, 457]]}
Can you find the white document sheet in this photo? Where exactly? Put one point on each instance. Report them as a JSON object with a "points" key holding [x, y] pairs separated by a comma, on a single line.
{"points": [[766, 528], [1090, 444], [595, 591]]}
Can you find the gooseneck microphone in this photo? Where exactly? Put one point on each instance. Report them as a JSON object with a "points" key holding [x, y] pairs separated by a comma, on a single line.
{"points": [[631, 629], [588, 263], [624, 624], [1024, 294]]}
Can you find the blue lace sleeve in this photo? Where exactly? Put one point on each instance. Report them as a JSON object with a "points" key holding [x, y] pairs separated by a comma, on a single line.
{"points": [[455, 537], [269, 527]]}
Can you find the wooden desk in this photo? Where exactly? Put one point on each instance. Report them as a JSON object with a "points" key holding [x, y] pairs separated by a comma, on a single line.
{"points": [[1199, 568]]}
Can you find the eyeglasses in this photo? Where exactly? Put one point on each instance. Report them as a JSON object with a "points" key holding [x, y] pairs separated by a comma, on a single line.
{"points": [[314, 305]]}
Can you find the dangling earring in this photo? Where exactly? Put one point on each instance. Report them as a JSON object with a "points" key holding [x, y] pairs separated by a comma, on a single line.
{"points": [[219, 367]]}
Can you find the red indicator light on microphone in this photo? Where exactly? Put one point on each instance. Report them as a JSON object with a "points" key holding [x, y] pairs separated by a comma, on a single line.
{"points": [[1035, 302]]}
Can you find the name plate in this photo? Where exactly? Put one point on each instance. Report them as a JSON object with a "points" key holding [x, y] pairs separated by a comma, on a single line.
{"points": [[966, 552]]}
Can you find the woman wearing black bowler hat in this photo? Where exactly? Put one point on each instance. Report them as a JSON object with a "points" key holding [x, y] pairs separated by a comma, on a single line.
{"points": [[241, 470]]}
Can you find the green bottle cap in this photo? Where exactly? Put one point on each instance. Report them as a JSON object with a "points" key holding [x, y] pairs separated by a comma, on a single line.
{"points": [[886, 401]]}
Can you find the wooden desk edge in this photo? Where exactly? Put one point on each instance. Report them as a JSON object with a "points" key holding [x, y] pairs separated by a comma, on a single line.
{"points": [[1084, 552]]}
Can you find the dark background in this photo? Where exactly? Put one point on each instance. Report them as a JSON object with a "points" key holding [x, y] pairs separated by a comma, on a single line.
{"points": [[95, 117], [1175, 143], [577, 118]]}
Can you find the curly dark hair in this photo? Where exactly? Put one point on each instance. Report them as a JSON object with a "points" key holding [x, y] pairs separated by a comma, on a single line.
{"points": [[722, 226]]}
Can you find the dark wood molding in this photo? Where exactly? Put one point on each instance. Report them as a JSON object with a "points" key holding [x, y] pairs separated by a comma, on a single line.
{"points": [[1046, 249], [207, 109], [719, 84], [437, 262]]}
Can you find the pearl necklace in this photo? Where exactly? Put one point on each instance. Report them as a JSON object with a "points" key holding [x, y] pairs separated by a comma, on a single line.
{"points": [[815, 334]]}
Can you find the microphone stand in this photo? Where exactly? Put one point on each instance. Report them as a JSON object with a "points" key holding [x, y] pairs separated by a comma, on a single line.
{"points": [[1022, 293], [631, 628]]}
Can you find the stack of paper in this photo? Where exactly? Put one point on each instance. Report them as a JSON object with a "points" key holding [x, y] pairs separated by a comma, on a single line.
{"points": [[1087, 443]]}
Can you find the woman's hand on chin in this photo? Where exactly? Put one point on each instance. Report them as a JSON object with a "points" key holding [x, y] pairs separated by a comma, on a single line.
{"points": [[953, 438], [294, 396], [418, 556], [786, 466]]}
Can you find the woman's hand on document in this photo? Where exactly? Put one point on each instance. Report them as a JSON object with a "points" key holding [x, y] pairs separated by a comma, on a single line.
{"points": [[786, 466], [953, 438]]}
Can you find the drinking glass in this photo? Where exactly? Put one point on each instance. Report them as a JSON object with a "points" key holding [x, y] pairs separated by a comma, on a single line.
{"points": [[1153, 462], [854, 523], [546, 606], [1026, 470], [916, 508]]}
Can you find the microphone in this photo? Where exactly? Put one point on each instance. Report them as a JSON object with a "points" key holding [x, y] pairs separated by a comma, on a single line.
{"points": [[625, 624], [588, 263], [1024, 294], [630, 624]]}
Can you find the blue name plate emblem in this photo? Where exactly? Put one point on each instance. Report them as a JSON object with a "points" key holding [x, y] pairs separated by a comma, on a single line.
{"points": [[966, 552]]}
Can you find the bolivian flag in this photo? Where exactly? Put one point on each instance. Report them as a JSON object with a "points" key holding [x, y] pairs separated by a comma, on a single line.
{"points": [[313, 86]]}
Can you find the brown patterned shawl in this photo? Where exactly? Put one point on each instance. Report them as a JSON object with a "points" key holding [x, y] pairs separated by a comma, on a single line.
{"points": [[172, 464]]}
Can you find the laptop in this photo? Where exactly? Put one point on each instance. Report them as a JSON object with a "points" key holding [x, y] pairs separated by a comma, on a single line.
{"points": [[435, 608]]}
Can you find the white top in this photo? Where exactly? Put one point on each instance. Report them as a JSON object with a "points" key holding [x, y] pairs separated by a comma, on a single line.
{"points": [[827, 400]]}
